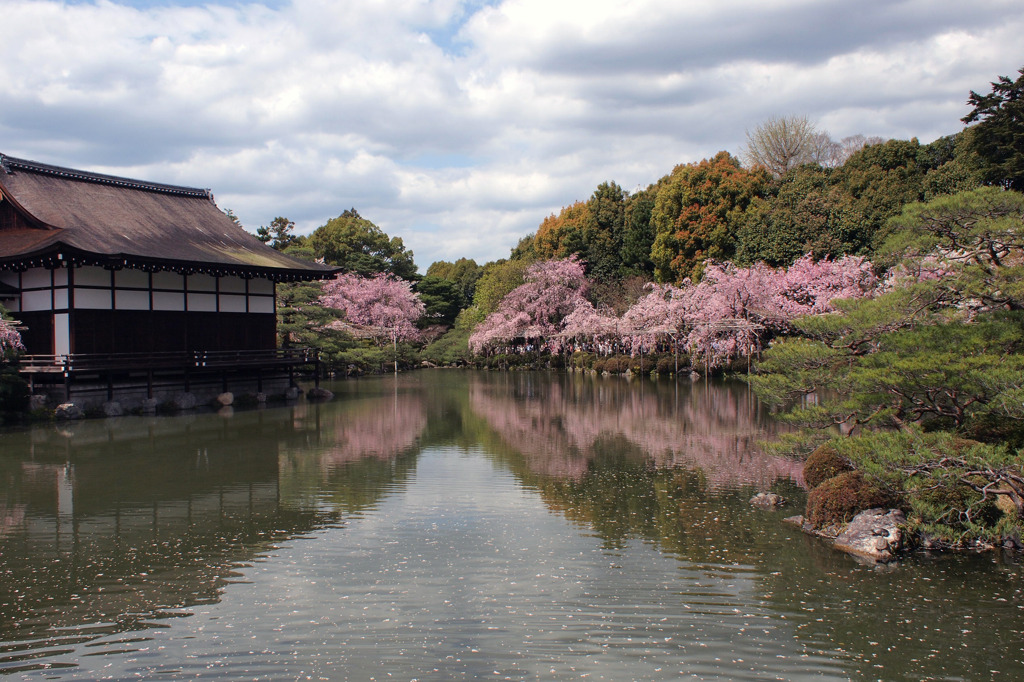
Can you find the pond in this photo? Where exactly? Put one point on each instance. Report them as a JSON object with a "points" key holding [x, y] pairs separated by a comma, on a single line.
{"points": [[461, 525]]}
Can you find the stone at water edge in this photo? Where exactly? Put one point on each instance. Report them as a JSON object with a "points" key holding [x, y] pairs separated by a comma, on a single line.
{"points": [[112, 408], [68, 411], [875, 534], [319, 395], [767, 500], [225, 399]]}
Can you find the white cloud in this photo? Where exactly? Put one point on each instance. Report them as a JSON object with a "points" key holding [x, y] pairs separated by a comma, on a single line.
{"points": [[459, 125]]}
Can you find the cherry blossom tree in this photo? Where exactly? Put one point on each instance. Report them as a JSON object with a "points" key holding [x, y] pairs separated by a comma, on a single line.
{"points": [[10, 339], [724, 312], [732, 310], [535, 310], [808, 287], [661, 313], [597, 326], [381, 307]]}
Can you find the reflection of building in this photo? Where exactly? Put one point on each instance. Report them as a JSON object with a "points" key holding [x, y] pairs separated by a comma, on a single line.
{"points": [[115, 279], [108, 525]]}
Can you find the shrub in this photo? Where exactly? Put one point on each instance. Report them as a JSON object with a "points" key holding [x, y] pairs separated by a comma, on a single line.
{"points": [[14, 393], [823, 464], [950, 485], [840, 498], [617, 364], [582, 360], [667, 364], [640, 364]]}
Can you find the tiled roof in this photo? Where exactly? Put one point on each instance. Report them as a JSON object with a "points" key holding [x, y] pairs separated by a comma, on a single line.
{"points": [[100, 219]]}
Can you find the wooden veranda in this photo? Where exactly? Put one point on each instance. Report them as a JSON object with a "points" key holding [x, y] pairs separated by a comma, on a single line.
{"points": [[171, 368]]}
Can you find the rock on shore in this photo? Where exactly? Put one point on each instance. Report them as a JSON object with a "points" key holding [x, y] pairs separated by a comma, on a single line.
{"points": [[874, 534]]}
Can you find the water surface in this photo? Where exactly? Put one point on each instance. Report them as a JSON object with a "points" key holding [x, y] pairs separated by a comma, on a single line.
{"points": [[460, 525]]}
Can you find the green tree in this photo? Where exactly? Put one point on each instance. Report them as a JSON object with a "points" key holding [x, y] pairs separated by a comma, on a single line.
{"points": [[998, 133], [525, 249], [443, 300], [832, 212], [498, 279], [638, 234], [945, 351], [453, 347], [464, 273], [563, 235], [278, 235], [605, 229], [357, 245], [593, 230], [805, 211]]}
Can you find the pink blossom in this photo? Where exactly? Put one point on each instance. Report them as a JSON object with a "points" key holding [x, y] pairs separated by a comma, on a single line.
{"points": [[598, 327], [10, 339], [808, 287], [663, 312], [381, 306], [536, 309], [731, 311]]}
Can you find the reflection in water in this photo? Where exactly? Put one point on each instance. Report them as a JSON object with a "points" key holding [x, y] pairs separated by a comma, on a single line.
{"points": [[452, 524], [560, 426], [117, 525], [355, 450]]}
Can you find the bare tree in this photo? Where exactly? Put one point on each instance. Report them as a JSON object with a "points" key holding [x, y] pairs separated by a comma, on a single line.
{"points": [[782, 143]]}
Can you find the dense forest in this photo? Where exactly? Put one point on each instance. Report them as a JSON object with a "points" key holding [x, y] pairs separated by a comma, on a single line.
{"points": [[865, 287]]}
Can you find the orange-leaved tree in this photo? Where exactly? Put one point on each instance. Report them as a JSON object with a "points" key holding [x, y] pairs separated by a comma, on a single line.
{"points": [[698, 212]]}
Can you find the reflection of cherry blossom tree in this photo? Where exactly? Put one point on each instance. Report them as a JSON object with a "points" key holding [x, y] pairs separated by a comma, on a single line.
{"points": [[382, 307], [381, 428], [560, 426], [535, 310]]}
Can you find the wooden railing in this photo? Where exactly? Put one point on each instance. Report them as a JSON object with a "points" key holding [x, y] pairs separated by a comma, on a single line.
{"points": [[185, 360]]}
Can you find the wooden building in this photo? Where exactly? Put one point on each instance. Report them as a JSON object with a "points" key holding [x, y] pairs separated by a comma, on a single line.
{"points": [[111, 273]]}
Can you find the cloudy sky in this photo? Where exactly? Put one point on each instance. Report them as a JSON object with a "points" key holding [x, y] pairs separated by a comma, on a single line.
{"points": [[459, 125]]}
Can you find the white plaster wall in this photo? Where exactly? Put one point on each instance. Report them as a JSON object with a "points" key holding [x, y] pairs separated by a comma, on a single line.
{"points": [[37, 300], [202, 283], [61, 334], [168, 280], [131, 300], [92, 299], [232, 304], [92, 276], [168, 300], [232, 285], [261, 304], [202, 303]]}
